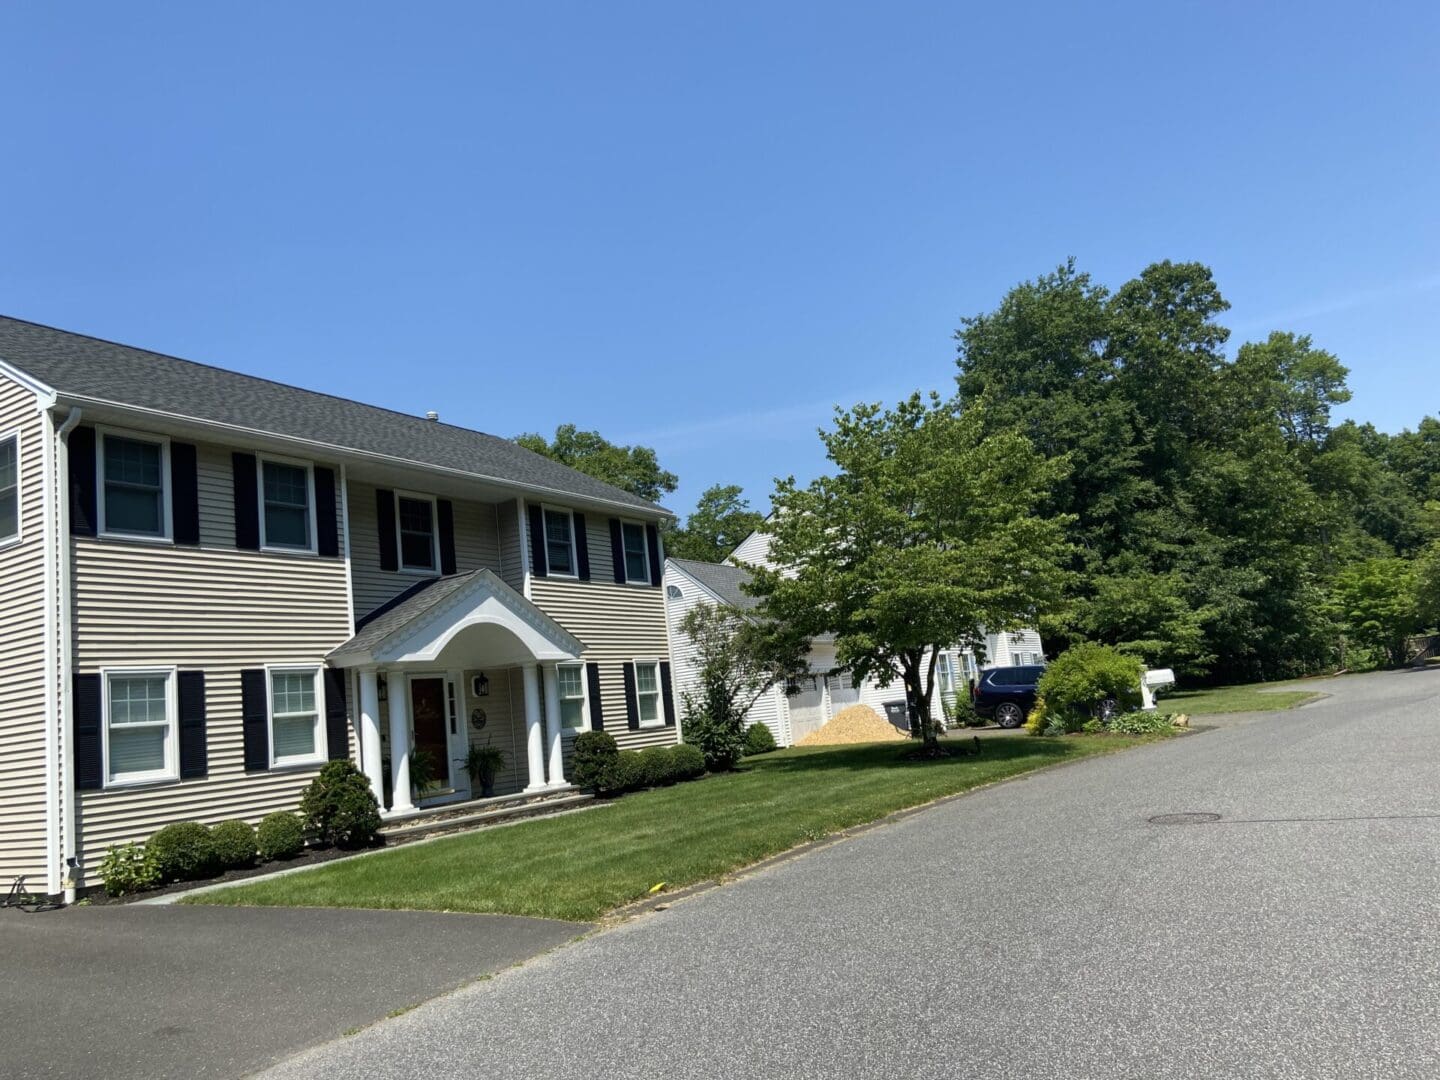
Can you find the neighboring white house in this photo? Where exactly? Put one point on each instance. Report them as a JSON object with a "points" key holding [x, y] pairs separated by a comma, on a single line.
{"points": [[810, 704]]}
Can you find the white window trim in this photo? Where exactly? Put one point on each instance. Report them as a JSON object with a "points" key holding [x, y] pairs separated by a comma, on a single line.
{"points": [[659, 721], [571, 732], [322, 749], [172, 741], [418, 571], [645, 549], [574, 573], [286, 549], [167, 534], [11, 541]]}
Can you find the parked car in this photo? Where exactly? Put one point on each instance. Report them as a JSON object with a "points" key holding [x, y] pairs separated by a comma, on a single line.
{"points": [[1007, 694]]}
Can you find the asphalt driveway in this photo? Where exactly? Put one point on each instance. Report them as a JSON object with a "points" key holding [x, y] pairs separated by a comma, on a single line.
{"points": [[187, 992], [1045, 928]]}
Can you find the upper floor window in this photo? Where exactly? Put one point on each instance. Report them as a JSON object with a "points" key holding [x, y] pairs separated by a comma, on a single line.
{"points": [[570, 678], [417, 533], [140, 723], [559, 542], [9, 488], [135, 499], [287, 491], [637, 555]]}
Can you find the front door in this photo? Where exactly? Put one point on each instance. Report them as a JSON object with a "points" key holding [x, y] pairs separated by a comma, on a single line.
{"points": [[432, 733]]}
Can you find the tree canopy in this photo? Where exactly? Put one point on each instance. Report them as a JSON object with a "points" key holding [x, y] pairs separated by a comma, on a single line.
{"points": [[635, 469], [720, 521]]}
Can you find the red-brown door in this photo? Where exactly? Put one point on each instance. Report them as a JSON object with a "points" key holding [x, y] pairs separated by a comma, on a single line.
{"points": [[427, 705]]}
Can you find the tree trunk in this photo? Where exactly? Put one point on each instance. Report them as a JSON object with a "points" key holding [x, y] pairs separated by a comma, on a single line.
{"points": [[918, 692]]}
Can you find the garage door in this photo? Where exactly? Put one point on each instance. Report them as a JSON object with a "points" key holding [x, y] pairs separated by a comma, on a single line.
{"points": [[807, 709]]}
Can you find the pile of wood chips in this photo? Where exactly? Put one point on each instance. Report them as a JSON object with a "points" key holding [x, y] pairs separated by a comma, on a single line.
{"points": [[855, 724]]}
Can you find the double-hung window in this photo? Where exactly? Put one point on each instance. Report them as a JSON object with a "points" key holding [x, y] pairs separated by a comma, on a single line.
{"points": [[417, 533], [942, 667], [295, 735], [9, 488], [134, 499], [572, 696], [637, 555], [647, 692], [287, 491], [140, 726], [559, 542]]}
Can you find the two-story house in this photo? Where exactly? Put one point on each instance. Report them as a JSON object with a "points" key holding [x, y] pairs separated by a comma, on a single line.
{"points": [[211, 584]]}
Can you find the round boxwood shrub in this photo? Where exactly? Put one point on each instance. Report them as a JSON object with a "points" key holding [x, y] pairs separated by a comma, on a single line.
{"points": [[234, 844], [595, 753], [758, 740], [281, 835], [1084, 676], [626, 773], [184, 851], [657, 767], [687, 761], [339, 808]]}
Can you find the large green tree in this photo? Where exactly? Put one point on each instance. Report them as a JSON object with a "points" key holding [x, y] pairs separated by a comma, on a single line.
{"points": [[720, 521], [928, 533], [635, 469]]}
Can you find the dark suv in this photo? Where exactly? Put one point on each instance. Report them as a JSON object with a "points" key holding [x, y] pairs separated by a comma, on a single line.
{"points": [[1007, 694]]}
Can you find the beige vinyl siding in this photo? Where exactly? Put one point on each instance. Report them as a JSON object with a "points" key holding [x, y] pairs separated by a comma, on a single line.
{"points": [[477, 546], [512, 556], [213, 610], [22, 661], [504, 725], [616, 623]]}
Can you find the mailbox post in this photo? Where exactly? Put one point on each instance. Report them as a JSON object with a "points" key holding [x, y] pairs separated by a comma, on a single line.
{"points": [[1151, 681]]}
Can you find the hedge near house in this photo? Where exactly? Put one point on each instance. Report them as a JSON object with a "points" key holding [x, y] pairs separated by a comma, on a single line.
{"points": [[339, 808]]}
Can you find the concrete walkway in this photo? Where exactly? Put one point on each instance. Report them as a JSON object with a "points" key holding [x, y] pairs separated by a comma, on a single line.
{"points": [[117, 992], [1039, 929]]}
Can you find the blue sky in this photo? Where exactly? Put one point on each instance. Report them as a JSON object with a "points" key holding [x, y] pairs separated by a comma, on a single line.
{"points": [[699, 226]]}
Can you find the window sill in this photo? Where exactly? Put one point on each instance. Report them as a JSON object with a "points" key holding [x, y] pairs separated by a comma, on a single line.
{"points": [[309, 553], [11, 541], [415, 571], [136, 538], [140, 783], [656, 726], [297, 765]]}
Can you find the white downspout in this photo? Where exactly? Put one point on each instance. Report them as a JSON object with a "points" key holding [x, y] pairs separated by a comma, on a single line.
{"points": [[67, 746], [49, 547]]}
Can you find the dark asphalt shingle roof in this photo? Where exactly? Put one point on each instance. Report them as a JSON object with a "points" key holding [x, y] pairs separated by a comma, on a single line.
{"points": [[85, 367], [422, 598], [721, 579]]}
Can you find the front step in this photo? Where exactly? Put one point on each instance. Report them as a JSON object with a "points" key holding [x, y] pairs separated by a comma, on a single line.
{"points": [[480, 813]]}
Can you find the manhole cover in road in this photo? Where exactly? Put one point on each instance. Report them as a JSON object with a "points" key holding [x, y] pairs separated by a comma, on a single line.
{"points": [[1183, 819]]}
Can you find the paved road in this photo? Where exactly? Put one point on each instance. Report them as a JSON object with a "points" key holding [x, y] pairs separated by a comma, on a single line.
{"points": [[161, 992], [1037, 929]]}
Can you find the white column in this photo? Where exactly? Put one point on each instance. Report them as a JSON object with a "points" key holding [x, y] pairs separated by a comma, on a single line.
{"points": [[398, 696], [552, 726], [534, 737], [370, 759]]}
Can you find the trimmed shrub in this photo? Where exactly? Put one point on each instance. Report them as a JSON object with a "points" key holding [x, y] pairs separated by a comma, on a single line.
{"points": [[625, 773], [595, 753], [234, 844], [1142, 723], [961, 712], [339, 808], [1083, 677], [758, 740], [184, 851], [129, 868], [688, 762], [657, 767], [281, 835]]}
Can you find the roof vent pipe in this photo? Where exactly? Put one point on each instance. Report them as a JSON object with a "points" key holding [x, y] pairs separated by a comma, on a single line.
{"points": [[433, 415]]}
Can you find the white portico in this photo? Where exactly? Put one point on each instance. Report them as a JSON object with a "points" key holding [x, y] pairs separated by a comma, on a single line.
{"points": [[416, 654]]}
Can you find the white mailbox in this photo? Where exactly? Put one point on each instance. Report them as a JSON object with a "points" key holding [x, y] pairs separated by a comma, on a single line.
{"points": [[1151, 681]]}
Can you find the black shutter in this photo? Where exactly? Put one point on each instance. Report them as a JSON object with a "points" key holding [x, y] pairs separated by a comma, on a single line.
{"points": [[247, 502], [82, 482], [337, 725], [191, 691], [85, 710], [184, 496], [667, 692], [445, 521], [597, 710], [632, 703], [617, 550], [652, 540], [538, 566], [385, 519], [254, 710], [327, 528], [582, 547]]}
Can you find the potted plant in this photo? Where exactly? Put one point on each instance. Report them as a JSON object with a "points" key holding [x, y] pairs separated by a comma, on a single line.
{"points": [[484, 763], [422, 772]]}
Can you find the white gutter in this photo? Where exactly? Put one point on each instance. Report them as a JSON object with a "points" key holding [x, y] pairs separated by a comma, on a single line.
{"points": [[68, 817]]}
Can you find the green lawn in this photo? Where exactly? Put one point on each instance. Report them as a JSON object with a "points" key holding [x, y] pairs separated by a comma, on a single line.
{"points": [[582, 865], [1256, 697]]}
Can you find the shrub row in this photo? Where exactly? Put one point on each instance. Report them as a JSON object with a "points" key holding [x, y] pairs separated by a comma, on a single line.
{"points": [[337, 809], [601, 766]]}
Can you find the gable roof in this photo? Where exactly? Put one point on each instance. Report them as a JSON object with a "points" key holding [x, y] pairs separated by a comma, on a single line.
{"points": [[91, 369], [721, 579]]}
